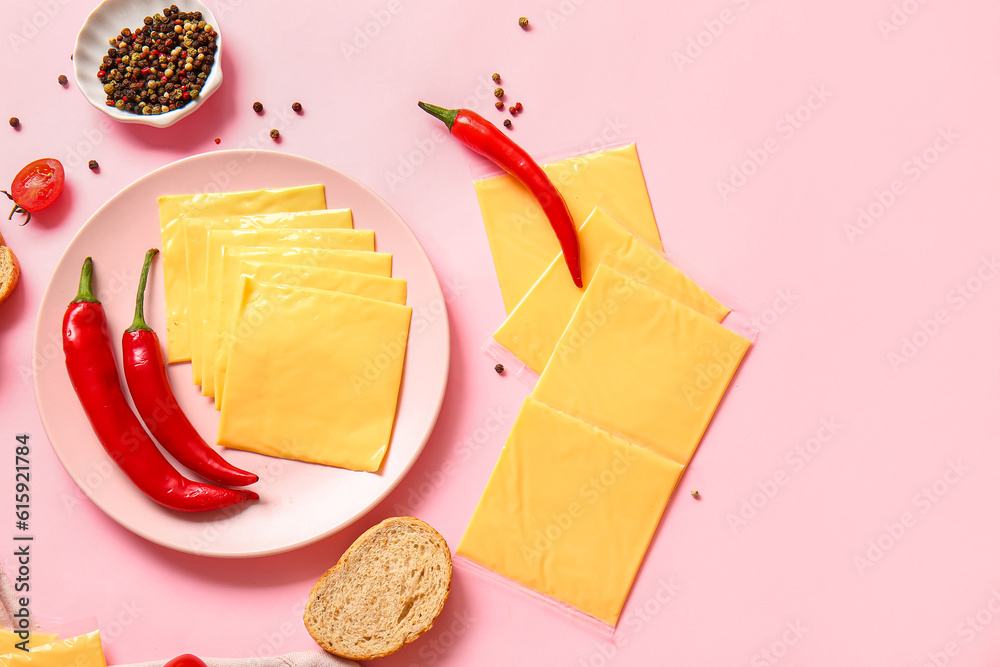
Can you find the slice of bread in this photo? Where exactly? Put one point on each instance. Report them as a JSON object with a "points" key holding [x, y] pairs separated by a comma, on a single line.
{"points": [[9, 271], [385, 591]]}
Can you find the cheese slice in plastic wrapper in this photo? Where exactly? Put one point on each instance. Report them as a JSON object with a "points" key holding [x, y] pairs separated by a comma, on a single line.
{"points": [[642, 365], [569, 510], [391, 290], [314, 376], [174, 208], [521, 238], [81, 651], [333, 239], [533, 329], [196, 253]]}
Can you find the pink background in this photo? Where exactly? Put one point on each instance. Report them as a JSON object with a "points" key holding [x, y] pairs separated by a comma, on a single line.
{"points": [[801, 578]]}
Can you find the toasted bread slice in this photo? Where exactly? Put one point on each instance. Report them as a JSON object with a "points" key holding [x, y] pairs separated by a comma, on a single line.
{"points": [[9, 271], [385, 591]]}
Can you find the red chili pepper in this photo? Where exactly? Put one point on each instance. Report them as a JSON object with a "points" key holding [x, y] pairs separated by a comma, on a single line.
{"points": [[483, 137], [90, 361], [186, 660], [146, 376]]}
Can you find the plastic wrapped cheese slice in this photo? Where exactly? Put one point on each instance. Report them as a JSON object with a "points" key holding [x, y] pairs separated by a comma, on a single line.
{"points": [[532, 330], [640, 364], [174, 208], [196, 254], [224, 280], [521, 239], [314, 376], [569, 510], [392, 290], [80, 651], [334, 239]]}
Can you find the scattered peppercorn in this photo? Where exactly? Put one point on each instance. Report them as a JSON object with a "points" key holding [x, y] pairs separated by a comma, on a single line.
{"points": [[498, 368], [218, 140], [499, 105], [296, 107], [275, 134], [160, 66], [512, 109], [258, 107], [507, 123], [519, 107], [696, 494], [496, 77], [523, 22], [93, 166], [63, 80], [498, 92], [14, 121]]}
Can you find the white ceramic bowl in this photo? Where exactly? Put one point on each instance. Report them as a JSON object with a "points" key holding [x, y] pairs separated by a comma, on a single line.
{"points": [[106, 21]]}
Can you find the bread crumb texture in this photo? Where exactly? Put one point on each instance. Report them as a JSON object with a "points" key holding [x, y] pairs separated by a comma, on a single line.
{"points": [[385, 591]]}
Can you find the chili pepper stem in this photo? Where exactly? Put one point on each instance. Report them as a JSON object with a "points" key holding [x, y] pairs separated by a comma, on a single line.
{"points": [[86, 291], [446, 116], [139, 321]]}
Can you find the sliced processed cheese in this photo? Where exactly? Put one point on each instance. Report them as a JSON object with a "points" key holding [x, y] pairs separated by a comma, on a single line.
{"points": [[392, 290], [533, 329], [637, 363], [9, 640], [174, 208], [333, 239], [521, 239], [81, 651], [314, 376], [569, 510], [225, 279], [196, 251]]}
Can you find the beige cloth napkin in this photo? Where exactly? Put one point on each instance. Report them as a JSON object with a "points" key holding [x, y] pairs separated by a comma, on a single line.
{"points": [[301, 659]]}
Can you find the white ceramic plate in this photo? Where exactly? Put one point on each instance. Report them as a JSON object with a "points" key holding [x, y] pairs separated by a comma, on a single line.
{"points": [[106, 21], [300, 502]]}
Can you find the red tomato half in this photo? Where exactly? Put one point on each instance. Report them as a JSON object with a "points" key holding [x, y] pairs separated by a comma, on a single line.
{"points": [[38, 184], [186, 660]]}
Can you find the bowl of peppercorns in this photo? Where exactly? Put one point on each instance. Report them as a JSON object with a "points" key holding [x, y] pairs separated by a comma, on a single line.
{"points": [[141, 62]]}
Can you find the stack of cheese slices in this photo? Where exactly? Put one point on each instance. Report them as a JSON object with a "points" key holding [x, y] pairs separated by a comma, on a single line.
{"points": [[290, 321]]}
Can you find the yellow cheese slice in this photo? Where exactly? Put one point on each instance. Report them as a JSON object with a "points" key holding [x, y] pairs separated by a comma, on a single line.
{"points": [[333, 239], [81, 651], [521, 239], [569, 510], [392, 290], [532, 330], [637, 363], [174, 208], [9, 640], [196, 251], [314, 376], [225, 280]]}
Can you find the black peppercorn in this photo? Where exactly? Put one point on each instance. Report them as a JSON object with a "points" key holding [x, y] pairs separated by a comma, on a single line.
{"points": [[507, 123], [258, 107], [498, 368], [93, 166], [296, 107], [14, 121], [63, 80], [275, 134]]}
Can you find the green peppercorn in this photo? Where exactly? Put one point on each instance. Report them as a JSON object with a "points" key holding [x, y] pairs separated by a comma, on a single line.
{"points": [[498, 93], [496, 77], [523, 22]]}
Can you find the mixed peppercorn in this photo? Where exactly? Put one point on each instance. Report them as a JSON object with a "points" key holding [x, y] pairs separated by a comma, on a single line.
{"points": [[161, 66]]}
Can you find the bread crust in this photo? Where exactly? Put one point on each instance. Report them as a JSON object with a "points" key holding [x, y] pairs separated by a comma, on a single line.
{"points": [[10, 271], [388, 640]]}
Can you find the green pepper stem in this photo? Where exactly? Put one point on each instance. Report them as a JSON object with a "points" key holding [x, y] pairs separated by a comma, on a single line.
{"points": [[446, 116], [139, 321], [86, 291]]}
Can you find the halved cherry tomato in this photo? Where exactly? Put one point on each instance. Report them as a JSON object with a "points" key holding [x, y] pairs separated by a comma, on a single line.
{"points": [[186, 660], [36, 186]]}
